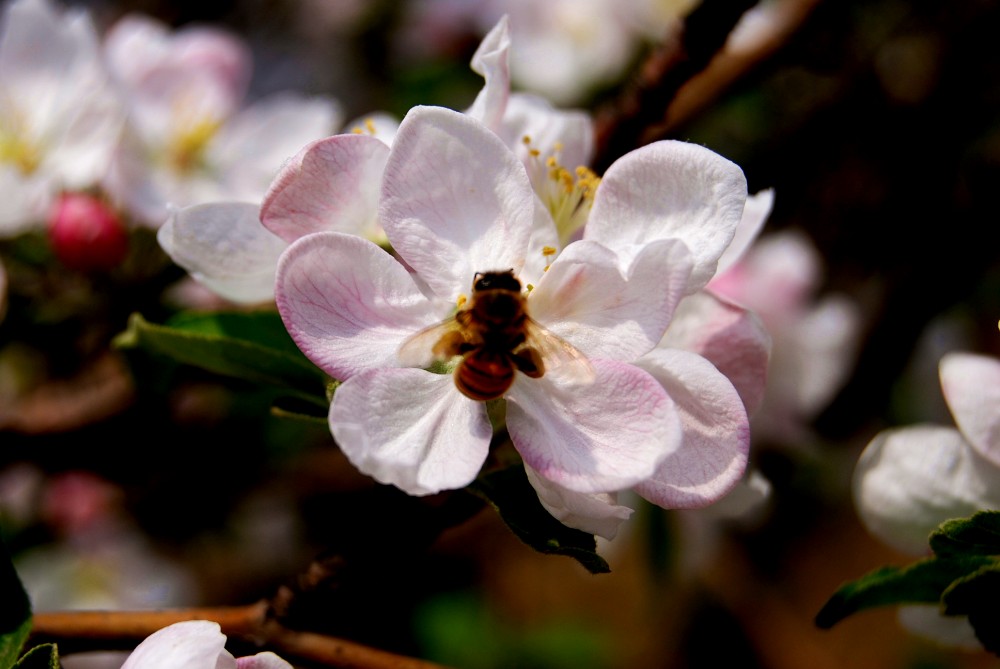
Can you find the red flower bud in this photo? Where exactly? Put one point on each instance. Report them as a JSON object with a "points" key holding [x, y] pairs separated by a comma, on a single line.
{"points": [[86, 233]]}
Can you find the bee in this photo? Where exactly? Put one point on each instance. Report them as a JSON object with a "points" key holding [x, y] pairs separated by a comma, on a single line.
{"points": [[495, 337]]}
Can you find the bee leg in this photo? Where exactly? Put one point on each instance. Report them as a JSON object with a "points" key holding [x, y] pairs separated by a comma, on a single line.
{"points": [[528, 361]]}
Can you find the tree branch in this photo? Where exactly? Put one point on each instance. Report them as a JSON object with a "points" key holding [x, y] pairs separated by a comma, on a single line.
{"points": [[104, 630]]}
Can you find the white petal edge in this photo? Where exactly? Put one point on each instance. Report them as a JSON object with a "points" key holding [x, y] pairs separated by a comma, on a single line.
{"points": [[490, 61], [455, 200], [971, 386], [224, 247], [587, 299], [347, 303], [331, 184], [730, 336], [755, 213], [606, 435], [193, 644], [594, 513], [909, 480], [411, 428], [670, 190], [713, 456]]}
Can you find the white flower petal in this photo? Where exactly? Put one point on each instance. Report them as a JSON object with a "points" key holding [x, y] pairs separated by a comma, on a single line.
{"points": [[252, 146], [670, 190], [490, 61], [910, 480], [971, 385], [713, 457], [729, 336], [347, 303], [588, 300], [224, 246], [455, 200], [265, 660], [595, 513], [606, 435], [755, 213], [927, 621], [572, 131], [411, 428], [331, 184], [192, 644]]}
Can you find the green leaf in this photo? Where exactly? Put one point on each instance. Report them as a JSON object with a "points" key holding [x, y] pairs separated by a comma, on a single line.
{"points": [[510, 493], [976, 596], [249, 346], [15, 612], [978, 535], [45, 656], [922, 582]]}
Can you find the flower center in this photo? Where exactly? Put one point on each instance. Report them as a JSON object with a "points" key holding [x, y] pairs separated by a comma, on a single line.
{"points": [[15, 149], [568, 195], [368, 128], [186, 153]]}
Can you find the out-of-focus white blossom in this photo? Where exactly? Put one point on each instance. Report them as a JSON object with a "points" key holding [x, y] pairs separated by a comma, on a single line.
{"points": [[190, 139], [195, 644], [59, 118]]}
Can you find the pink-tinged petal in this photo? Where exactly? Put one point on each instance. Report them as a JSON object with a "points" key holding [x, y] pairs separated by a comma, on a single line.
{"points": [[776, 278], [567, 134], [817, 354], [713, 456], [265, 660], [594, 513], [490, 61], [347, 303], [591, 438], [755, 213], [224, 246], [455, 200], [411, 428], [192, 644], [909, 480], [331, 184], [731, 337], [253, 145], [670, 190], [586, 298], [971, 385]]}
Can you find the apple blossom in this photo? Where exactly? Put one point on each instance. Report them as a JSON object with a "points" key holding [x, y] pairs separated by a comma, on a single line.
{"points": [[814, 341], [195, 644], [456, 201], [189, 140], [909, 480], [59, 117]]}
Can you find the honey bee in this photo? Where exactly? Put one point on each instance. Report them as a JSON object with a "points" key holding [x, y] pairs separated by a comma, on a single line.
{"points": [[495, 337]]}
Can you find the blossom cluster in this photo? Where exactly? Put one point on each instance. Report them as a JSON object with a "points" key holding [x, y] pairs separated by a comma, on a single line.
{"points": [[640, 379], [99, 133]]}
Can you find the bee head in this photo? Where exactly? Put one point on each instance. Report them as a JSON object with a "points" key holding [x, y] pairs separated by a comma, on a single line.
{"points": [[496, 280]]}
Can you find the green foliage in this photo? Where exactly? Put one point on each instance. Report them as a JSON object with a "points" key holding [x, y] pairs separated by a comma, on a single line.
{"points": [[45, 656], [963, 577], [510, 493], [459, 630], [252, 347], [15, 612]]}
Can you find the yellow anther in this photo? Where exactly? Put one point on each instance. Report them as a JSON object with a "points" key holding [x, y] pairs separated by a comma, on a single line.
{"points": [[534, 153], [370, 126], [530, 287], [357, 130], [557, 147], [548, 251], [462, 299], [526, 139]]}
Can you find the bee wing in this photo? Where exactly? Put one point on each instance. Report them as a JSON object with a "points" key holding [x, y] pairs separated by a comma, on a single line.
{"points": [[434, 343], [558, 355]]}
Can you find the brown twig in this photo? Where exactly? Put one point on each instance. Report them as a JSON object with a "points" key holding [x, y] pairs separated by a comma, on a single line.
{"points": [[684, 75], [94, 630]]}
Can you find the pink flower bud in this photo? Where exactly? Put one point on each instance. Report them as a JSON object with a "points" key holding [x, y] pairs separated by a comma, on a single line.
{"points": [[86, 233]]}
